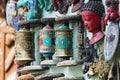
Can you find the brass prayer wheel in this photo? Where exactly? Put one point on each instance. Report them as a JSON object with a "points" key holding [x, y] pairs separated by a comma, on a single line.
{"points": [[46, 41], [26, 77], [24, 45], [63, 42]]}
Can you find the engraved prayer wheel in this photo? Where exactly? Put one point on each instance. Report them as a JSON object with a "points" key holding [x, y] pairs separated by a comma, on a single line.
{"points": [[63, 42], [46, 41], [24, 45]]}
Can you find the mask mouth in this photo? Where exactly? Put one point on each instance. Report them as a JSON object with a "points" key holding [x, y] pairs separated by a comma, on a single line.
{"points": [[87, 27]]}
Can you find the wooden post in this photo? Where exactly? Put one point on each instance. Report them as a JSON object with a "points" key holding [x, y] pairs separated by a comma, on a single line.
{"points": [[6, 44]]}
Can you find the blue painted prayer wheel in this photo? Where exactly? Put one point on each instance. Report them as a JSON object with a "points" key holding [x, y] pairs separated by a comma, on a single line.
{"points": [[46, 41], [24, 46], [63, 42]]}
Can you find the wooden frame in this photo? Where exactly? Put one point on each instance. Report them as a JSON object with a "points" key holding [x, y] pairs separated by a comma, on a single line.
{"points": [[7, 52]]}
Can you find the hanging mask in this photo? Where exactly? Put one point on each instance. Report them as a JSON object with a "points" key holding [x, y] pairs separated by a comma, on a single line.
{"points": [[91, 13], [60, 5], [112, 11], [10, 9], [77, 4]]}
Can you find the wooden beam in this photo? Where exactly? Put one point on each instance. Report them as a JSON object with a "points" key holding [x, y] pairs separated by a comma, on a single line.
{"points": [[38, 22]]}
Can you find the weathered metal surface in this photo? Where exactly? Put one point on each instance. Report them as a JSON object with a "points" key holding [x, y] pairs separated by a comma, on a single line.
{"points": [[111, 41], [67, 63], [48, 62], [26, 77], [30, 69], [49, 76], [69, 78], [24, 46]]}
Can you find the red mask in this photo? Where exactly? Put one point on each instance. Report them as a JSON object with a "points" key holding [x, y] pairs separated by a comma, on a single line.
{"points": [[92, 22]]}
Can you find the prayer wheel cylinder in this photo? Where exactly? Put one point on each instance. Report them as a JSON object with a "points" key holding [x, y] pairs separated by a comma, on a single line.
{"points": [[63, 42], [46, 41], [24, 45]]}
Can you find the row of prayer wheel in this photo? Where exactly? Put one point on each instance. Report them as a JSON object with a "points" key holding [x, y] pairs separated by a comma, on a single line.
{"points": [[51, 41]]}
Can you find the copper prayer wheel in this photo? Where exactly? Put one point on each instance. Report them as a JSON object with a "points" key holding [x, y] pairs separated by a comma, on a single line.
{"points": [[63, 42], [46, 41], [24, 45]]}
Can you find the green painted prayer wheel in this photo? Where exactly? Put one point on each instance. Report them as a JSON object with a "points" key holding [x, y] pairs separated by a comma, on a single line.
{"points": [[63, 42]]}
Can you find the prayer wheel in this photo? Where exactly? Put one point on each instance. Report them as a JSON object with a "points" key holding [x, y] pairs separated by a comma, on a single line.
{"points": [[46, 41], [24, 45], [63, 42]]}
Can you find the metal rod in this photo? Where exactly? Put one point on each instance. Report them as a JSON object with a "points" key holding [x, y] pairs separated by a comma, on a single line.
{"points": [[81, 38], [110, 73], [118, 73]]}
